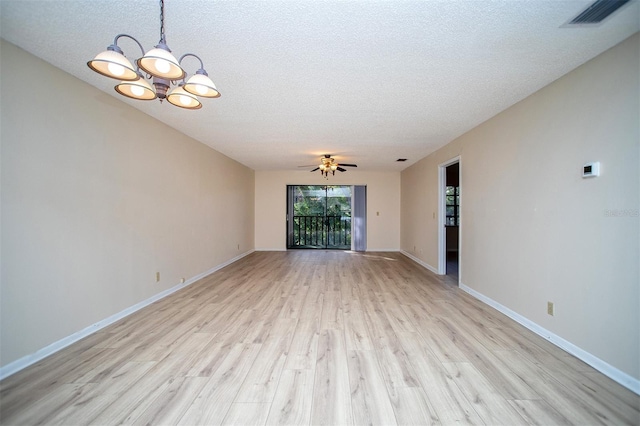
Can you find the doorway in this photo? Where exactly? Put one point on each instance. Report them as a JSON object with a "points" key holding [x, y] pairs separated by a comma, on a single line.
{"points": [[319, 217], [449, 235]]}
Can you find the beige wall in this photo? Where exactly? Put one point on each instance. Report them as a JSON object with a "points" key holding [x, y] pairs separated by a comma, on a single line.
{"points": [[419, 205], [97, 197], [383, 197], [532, 229]]}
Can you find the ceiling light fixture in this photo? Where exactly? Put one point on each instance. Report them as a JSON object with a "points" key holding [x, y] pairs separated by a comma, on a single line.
{"points": [[160, 66], [328, 165]]}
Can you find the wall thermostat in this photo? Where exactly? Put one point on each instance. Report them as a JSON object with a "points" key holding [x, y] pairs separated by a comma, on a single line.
{"points": [[591, 170]]}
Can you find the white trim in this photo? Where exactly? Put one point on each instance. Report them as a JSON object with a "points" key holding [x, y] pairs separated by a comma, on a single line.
{"points": [[368, 249], [353, 222], [420, 262], [442, 214], [30, 359], [608, 370]]}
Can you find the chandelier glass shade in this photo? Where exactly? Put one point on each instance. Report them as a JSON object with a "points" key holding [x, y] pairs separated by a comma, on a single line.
{"points": [[112, 63], [137, 89], [183, 99], [200, 84], [161, 66], [159, 62]]}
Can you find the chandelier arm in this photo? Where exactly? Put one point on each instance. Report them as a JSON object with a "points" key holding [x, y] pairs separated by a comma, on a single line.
{"points": [[191, 54], [115, 41]]}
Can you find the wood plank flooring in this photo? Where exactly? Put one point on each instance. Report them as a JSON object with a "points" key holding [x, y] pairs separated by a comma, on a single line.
{"points": [[315, 338]]}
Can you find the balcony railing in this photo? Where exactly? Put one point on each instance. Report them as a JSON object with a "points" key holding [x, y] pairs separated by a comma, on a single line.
{"points": [[321, 231]]}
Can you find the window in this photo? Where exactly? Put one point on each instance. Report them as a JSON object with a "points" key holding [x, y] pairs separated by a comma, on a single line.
{"points": [[453, 206], [319, 217]]}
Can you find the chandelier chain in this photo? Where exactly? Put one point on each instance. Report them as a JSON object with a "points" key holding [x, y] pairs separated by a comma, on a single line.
{"points": [[162, 40]]}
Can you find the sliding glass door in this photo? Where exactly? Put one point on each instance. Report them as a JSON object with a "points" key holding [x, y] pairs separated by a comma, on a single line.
{"points": [[319, 217]]}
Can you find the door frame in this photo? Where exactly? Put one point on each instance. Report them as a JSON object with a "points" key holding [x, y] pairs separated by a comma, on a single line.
{"points": [[442, 216]]}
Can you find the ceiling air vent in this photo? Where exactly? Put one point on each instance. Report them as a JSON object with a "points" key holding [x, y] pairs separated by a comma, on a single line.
{"points": [[597, 12]]}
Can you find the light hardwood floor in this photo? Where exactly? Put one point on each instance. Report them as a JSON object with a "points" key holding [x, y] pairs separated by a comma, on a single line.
{"points": [[315, 337]]}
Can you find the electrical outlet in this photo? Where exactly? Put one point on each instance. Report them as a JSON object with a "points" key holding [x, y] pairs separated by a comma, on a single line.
{"points": [[157, 277], [550, 308], [182, 280]]}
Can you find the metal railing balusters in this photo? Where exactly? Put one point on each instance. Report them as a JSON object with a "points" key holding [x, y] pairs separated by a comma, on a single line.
{"points": [[321, 231]]}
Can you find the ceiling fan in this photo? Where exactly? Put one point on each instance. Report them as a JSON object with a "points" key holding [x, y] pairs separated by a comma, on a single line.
{"points": [[329, 164]]}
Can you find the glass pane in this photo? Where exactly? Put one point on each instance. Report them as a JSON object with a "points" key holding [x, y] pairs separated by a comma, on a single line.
{"points": [[450, 190], [321, 216], [450, 211], [450, 200]]}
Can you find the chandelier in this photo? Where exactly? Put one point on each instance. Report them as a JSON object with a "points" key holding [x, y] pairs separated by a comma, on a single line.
{"points": [[159, 65]]}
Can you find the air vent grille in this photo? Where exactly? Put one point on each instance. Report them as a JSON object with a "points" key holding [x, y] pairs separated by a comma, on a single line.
{"points": [[598, 11]]}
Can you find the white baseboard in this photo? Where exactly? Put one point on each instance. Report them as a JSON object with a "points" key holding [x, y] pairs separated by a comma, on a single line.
{"points": [[368, 250], [608, 370], [30, 359], [420, 262]]}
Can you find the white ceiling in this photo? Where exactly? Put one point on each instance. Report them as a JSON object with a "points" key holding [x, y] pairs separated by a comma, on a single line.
{"points": [[367, 81]]}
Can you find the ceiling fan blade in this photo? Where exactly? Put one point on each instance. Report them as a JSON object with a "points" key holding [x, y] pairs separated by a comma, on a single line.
{"points": [[317, 168], [341, 169], [348, 165], [308, 165]]}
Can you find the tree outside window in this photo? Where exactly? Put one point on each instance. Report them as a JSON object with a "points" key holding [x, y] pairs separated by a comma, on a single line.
{"points": [[453, 206]]}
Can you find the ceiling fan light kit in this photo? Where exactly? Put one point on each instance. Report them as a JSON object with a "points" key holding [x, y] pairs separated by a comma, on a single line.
{"points": [[329, 165], [161, 66]]}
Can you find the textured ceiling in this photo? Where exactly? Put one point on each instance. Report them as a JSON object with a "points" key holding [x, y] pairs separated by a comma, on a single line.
{"points": [[367, 81]]}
